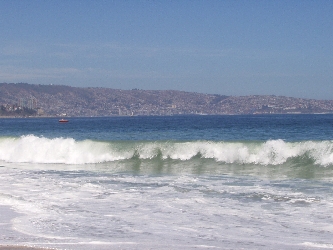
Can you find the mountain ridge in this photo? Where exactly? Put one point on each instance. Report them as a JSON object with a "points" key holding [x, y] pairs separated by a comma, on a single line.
{"points": [[61, 100]]}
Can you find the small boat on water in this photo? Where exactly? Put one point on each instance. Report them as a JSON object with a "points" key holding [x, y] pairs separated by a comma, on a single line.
{"points": [[63, 120]]}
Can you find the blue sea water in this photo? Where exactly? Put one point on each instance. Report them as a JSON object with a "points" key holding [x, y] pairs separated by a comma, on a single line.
{"points": [[178, 182]]}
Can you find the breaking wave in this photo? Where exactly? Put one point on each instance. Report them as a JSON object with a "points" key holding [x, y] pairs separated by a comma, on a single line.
{"points": [[34, 149]]}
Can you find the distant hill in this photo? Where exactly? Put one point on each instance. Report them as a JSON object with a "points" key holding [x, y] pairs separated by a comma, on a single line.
{"points": [[60, 100]]}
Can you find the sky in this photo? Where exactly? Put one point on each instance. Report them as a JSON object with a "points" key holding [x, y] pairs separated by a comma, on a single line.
{"points": [[231, 47]]}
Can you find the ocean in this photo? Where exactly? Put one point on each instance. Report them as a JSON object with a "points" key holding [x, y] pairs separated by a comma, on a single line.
{"points": [[176, 182]]}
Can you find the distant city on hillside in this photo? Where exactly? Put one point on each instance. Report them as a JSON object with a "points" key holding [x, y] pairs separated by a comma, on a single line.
{"points": [[22, 100]]}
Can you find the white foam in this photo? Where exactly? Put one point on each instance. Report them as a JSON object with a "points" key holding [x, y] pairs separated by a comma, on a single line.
{"points": [[318, 245], [33, 149], [98, 211]]}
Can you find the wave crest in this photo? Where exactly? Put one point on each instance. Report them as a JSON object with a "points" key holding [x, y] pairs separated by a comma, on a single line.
{"points": [[33, 149]]}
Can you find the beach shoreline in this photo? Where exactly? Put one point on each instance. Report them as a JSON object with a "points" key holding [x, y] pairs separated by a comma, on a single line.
{"points": [[7, 233]]}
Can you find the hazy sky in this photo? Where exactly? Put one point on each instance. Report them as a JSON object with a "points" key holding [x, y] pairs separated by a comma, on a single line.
{"points": [[220, 47]]}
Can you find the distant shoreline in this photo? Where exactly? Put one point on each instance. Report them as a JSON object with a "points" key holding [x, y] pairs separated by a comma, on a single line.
{"points": [[115, 116], [61, 100]]}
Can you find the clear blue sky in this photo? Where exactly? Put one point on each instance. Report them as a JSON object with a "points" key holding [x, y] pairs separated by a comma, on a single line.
{"points": [[220, 47]]}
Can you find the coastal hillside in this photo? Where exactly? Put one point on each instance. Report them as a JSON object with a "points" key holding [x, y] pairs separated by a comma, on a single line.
{"points": [[60, 100]]}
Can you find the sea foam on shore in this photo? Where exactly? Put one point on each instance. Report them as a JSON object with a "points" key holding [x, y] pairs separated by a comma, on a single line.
{"points": [[7, 233]]}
